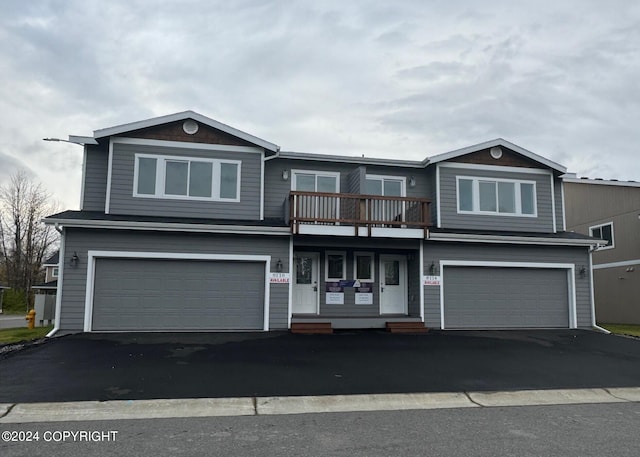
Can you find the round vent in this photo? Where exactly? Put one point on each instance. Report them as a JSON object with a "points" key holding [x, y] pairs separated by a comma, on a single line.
{"points": [[496, 152], [190, 127]]}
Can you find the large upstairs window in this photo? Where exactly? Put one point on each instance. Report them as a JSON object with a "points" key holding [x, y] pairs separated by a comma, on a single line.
{"points": [[496, 196], [193, 178]]}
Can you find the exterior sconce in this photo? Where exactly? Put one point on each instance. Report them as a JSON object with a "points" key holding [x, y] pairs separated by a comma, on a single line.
{"points": [[412, 181], [433, 270], [582, 271], [279, 266], [73, 261], [285, 175]]}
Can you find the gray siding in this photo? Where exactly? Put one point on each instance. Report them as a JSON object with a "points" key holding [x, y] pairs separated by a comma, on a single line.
{"points": [[83, 240], [450, 218], [435, 251], [95, 179], [559, 204], [355, 180], [431, 193], [123, 201]]}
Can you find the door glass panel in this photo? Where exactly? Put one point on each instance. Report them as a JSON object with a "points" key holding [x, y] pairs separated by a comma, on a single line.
{"points": [[373, 186], [392, 273], [305, 182], [304, 267], [327, 184], [392, 188]]}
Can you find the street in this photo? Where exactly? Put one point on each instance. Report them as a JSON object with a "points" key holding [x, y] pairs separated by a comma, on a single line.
{"points": [[569, 430]]}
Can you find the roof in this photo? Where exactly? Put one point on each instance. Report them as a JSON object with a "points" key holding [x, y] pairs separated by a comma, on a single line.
{"points": [[352, 159], [53, 260], [46, 285], [184, 115], [497, 142], [603, 182], [97, 219]]}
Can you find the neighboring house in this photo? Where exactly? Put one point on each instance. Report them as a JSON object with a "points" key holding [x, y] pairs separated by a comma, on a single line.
{"points": [[610, 210], [189, 224], [50, 284]]}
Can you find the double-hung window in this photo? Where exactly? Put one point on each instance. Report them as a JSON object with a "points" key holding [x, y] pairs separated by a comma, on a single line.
{"points": [[496, 196], [186, 178]]}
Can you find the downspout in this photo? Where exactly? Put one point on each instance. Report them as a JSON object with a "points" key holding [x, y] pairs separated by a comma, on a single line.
{"points": [[593, 304], [56, 325]]}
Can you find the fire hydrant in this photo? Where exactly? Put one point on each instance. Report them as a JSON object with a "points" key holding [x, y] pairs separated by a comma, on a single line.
{"points": [[31, 319]]}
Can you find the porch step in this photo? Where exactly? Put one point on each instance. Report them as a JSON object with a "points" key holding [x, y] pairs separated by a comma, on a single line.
{"points": [[311, 327], [406, 327]]}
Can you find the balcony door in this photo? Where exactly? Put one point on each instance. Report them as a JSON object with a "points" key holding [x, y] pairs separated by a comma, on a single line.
{"points": [[316, 207], [385, 186]]}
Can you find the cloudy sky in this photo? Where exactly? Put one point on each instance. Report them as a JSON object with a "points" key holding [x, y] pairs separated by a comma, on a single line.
{"points": [[406, 79]]}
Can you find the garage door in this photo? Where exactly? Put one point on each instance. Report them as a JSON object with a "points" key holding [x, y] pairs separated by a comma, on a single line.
{"points": [[488, 297], [149, 294]]}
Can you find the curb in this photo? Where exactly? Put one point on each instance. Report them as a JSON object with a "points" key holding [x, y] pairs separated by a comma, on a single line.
{"points": [[252, 406]]}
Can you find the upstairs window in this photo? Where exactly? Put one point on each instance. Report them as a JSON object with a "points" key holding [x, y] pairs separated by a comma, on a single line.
{"points": [[496, 196], [603, 232], [186, 178], [54, 272]]}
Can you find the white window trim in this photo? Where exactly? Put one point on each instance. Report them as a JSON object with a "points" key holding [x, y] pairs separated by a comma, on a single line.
{"points": [[55, 271], [402, 179], [333, 174], [613, 238], [476, 196], [372, 268], [161, 164], [326, 265]]}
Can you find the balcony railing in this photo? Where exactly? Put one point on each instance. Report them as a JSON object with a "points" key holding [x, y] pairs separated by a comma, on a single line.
{"points": [[368, 211]]}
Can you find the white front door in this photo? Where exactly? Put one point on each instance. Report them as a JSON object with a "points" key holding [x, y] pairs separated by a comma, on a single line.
{"points": [[393, 284], [305, 283]]}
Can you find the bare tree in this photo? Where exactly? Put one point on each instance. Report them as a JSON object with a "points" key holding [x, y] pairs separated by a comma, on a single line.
{"points": [[25, 240]]}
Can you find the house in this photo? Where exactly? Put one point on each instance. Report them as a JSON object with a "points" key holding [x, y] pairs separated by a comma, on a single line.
{"points": [[50, 284], [188, 224], [2, 288], [610, 210]]}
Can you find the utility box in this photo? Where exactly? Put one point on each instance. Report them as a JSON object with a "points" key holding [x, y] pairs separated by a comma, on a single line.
{"points": [[45, 306]]}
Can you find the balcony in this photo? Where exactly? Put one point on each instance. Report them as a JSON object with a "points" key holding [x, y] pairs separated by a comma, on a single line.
{"points": [[316, 213]]}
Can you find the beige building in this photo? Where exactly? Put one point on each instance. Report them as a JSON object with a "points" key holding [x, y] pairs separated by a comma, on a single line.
{"points": [[610, 210]]}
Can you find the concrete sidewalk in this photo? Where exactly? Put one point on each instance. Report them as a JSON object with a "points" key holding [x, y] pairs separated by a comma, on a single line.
{"points": [[215, 407]]}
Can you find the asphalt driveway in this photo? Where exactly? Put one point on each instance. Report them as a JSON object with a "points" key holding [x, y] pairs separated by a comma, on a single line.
{"points": [[190, 365]]}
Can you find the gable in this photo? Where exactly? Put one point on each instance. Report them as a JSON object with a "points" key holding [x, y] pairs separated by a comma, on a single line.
{"points": [[174, 131], [509, 158]]}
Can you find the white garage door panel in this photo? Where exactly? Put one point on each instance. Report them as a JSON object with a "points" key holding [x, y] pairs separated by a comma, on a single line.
{"points": [[489, 297], [150, 294]]}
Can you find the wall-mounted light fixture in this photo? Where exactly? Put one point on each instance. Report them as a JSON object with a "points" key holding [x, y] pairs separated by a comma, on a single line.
{"points": [[73, 261], [285, 175], [433, 269], [279, 265], [582, 271], [412, 181]]}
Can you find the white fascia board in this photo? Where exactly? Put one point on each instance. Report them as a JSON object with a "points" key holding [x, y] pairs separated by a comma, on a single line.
{"points": [[82, 139], [601, 182], [483, 167], [168, 227], [488, 263], [624, 263], [472, 238], [351, 159], [183, 116], [497, 142]]}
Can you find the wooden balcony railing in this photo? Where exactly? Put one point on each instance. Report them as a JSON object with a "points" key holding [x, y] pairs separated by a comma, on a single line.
{"points": [[358, 211]]}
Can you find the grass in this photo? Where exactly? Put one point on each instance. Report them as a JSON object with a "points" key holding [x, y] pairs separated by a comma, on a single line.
{"points": [[622, 329], [15, 335]]}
